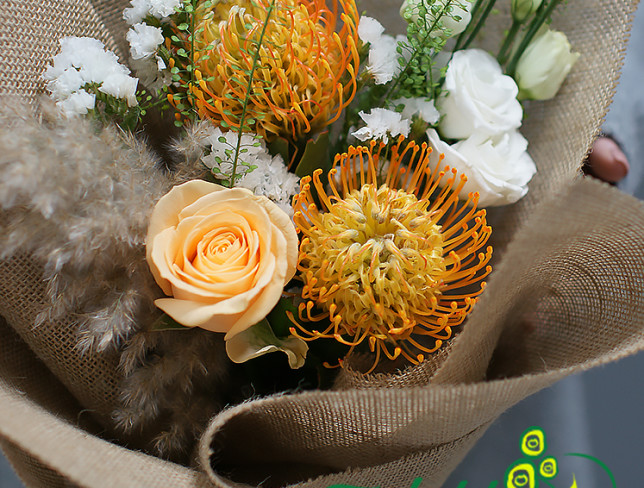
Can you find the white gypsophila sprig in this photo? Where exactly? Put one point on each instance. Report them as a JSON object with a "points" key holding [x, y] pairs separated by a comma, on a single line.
{"points": [[381, 124], [258, 171], [83, 65], [160, 9], [383, 62]]}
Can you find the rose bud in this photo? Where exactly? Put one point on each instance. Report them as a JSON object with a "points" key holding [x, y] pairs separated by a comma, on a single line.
{"points": [[544, 65]]}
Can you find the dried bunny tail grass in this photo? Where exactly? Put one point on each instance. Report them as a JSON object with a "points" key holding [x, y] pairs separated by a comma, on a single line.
{"points": [[187, 150], [174, 384], [78, 198]]}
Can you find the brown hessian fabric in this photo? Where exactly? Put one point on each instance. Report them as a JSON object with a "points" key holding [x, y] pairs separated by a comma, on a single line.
{"points": [[567, 294]]}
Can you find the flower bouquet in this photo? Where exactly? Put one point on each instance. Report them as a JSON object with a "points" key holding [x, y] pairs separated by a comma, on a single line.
{"points": [[258, 253]]}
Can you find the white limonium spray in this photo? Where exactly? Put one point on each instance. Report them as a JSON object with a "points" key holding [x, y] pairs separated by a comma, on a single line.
{"points": [[160, 9], [82, 68], [454, 15], [144, 43], [544, 65], [257, 170], [382, 124], [419, 107], [144, 40], [383, 62]]}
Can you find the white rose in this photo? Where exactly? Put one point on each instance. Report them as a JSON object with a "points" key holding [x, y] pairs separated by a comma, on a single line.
{"points": [[544, 65], [480, 98], [455, 20], [498, 168]]}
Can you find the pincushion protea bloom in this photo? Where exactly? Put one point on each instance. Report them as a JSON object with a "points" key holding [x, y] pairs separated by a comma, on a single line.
{"points": [[386, 259], [301, 79]]}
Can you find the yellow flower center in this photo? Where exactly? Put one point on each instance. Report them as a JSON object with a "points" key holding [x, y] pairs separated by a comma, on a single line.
{"points": [[391, 262], [382, 253]]}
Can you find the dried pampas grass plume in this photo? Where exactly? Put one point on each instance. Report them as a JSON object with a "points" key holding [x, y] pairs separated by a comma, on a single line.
{"points": [[77, 197]]}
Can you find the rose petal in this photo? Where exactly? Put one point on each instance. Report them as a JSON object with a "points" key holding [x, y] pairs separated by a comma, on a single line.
{"points": [[225, 256]]}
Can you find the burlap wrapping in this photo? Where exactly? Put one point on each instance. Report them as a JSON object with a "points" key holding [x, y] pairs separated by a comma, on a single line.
{"points": [[568, 295]]}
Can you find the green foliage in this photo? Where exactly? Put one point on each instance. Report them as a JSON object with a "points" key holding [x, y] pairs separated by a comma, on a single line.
{"points": [[316, 156], [184, 54], [426, 38]]}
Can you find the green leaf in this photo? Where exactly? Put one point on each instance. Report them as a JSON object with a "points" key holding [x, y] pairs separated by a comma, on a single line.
{"points": [[316, 156], [280, 146], [165, 322], [259, 340], [278, 319]]}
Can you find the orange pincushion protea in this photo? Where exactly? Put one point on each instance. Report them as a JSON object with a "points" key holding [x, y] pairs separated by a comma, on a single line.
{"points": [[300, 81], [386, 259]]}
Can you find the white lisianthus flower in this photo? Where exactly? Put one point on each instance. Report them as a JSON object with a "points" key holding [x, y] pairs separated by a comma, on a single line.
{"points": [[498, 168], [544, 65], [161, 9], [383, 58], [83, 61], [382, 123], [480, 98], [522, 9], [421, 107], [455, 20]]}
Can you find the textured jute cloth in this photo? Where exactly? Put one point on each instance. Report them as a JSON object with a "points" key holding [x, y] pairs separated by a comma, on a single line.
{"points": [[566, 295]]}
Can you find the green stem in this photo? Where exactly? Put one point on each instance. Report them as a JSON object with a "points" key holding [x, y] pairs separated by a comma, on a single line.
{"points": [[507, 43], [536, 24], [192, 55], [249, 87], [479, 24], [462, 37], [415, 53]]}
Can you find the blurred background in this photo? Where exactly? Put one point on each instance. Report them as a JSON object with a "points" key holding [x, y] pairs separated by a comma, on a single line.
{"points": [[595, 413]]}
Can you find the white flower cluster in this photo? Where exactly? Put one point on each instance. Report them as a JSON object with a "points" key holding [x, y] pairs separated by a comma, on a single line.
{"points": [[270, 178], [84, 61], [144, 41], [482, 112], [160, 9], [382, 123], [383, 58]]}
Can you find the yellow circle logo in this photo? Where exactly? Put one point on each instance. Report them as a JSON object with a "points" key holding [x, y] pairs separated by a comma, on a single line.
{"points": [[533, 442]]}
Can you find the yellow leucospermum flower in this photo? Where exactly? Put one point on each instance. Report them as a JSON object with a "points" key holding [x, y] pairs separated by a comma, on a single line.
{"points": [[301, 79], [386, 258]]}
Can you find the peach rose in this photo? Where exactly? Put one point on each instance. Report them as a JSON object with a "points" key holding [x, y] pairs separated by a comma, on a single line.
{"points": [[224, 255]]}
